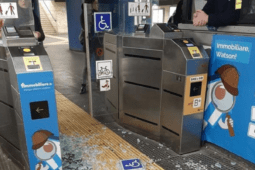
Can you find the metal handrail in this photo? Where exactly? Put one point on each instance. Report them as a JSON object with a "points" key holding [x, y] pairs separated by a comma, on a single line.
{"points": [[49, 11]]}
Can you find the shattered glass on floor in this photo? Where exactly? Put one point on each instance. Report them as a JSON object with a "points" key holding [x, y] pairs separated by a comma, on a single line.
{"points": [[76, 155]]}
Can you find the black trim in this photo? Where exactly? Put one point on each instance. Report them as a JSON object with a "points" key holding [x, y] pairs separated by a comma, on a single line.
{"points": [[110, 50], [6, 104], [4, 70], [111, 104], [178, 95], [177, 134], [150, 87], [144, 57], [141, 119]]}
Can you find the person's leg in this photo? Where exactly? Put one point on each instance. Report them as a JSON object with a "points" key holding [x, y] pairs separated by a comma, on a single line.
{"points": [[84, 77]]}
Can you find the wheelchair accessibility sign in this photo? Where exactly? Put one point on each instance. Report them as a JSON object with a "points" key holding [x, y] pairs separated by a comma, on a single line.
{"points": [[103, 21], [132, 164]]}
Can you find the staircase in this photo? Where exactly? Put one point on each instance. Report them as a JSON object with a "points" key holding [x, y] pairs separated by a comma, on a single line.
{"points": [[46, 24]]}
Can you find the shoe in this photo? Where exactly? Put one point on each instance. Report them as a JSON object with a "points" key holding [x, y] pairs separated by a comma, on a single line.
{"points": [[105, 85], [83, 89]]}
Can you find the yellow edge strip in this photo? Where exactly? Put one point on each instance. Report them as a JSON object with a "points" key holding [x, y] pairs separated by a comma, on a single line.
{"points": [[73, 120]]}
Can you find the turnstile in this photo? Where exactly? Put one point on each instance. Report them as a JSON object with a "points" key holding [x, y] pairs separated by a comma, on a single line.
{"points": [[162, 83], [184, 81], [28, 117]]}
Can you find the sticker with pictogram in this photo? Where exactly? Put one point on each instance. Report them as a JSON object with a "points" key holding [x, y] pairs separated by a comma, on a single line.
{"points": [[33, 63], [105, 85], [100, 52], [8, 10]]}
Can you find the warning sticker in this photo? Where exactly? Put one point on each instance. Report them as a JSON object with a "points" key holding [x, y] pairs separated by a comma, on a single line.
{"points": [[8, 10], [32, 63], [238, 4], [197, 102], [105, 85], [195, 52], [199, 78]]}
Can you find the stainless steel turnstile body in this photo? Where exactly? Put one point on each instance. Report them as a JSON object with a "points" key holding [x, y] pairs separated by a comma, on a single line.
{"points": [[112, 50], [162, 86], [183, 96], [140, 83]]}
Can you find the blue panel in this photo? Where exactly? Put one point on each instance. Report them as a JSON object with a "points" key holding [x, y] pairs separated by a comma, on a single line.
{"points": [[231, 75], [38, 103], [103, 21], [74, 26]]}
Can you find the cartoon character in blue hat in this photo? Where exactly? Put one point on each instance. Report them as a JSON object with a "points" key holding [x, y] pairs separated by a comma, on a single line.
{"points": [[47, 150], [221, 98]]}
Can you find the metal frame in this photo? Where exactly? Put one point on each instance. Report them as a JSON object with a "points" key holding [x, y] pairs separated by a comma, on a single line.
{"points": [[86, 26]]}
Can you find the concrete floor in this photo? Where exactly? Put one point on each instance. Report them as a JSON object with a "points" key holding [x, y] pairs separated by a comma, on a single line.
{"points": [[68, 66]]}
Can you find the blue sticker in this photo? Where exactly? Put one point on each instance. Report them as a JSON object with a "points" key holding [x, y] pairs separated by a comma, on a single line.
{"points": [[132, 164], [103, 21], [237, 51]]}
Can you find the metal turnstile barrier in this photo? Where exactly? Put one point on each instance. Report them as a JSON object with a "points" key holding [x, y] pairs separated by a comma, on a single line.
{"points": [[184, 84], [162, 82], [28, 117], [140, 83], [112, 50]]}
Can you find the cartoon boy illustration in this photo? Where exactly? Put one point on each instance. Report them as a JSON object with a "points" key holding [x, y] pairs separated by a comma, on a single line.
{"points": [[47, 150], [221, 97]]}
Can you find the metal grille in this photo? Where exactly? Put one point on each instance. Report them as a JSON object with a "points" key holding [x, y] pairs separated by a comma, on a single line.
{"points": [[232, 163], [6, 163], [154, 150]]}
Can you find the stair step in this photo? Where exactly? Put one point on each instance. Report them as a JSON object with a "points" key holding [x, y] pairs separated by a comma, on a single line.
{"points": [[46, 24]]}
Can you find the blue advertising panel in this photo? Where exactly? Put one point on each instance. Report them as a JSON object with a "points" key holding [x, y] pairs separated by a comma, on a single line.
{"points": [[103, 21], [134, 164], [38, 103], [229, 119]]}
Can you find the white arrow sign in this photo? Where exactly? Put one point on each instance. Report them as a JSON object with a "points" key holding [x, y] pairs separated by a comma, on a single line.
{"points": [[38, 110]]}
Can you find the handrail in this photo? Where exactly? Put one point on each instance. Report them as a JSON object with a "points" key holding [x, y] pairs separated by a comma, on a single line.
{"points": [[49, 11]]}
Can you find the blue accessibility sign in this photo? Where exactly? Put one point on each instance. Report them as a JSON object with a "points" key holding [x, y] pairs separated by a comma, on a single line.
{"points": [[132, 164], [102, 21]]}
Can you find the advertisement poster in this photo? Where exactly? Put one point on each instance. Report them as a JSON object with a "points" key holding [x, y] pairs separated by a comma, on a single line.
{"points": [[229, 119]]}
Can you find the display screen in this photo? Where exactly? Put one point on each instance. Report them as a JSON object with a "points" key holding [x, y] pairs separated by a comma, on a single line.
{"points": [[195, 89], [11, 29]]}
